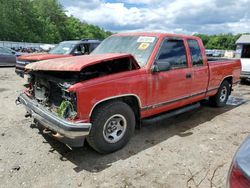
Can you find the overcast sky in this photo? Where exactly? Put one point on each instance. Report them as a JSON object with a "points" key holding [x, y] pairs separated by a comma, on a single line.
{"points": [[174, 16]]}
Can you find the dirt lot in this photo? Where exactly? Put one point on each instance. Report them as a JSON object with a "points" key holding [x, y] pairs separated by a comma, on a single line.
{"points": [[192, 150]]}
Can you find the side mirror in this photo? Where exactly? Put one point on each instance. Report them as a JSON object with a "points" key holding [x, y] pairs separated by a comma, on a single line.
{"points": [[161, 66]]}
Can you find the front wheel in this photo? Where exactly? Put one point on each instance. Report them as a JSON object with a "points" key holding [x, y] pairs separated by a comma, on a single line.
{"points": [[113, 124], [221, 97]]}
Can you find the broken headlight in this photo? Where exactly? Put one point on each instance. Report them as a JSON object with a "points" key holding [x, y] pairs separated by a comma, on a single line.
{"points": [[67, 108]]}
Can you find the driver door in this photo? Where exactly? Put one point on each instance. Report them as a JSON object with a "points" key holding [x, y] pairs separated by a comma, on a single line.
{"points": [[169, 89]]}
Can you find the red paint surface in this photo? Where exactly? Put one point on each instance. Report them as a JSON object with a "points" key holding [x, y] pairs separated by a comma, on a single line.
{"points": [[76, 63]]}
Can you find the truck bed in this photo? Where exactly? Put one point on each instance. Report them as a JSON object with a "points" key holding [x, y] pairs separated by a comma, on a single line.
{"points": [[221, 68]]}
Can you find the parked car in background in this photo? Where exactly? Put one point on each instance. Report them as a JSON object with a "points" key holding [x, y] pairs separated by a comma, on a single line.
{"points": [[7, 57], [17, 54], [63, 49], [215, 53], [128, 78], [209, 53], [243, 52], [239, 173]]}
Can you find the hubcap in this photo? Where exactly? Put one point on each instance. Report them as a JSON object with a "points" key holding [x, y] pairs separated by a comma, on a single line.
{"points": [[114, 128], [223, 94]]}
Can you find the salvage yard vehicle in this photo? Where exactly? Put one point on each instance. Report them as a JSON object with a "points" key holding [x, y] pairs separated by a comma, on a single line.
{"points": [[7, 57], [127, 79], [64, 49]]}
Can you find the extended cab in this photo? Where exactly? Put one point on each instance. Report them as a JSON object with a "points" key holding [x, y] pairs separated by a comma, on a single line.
{"points": [[126, 79], [63, 49]]}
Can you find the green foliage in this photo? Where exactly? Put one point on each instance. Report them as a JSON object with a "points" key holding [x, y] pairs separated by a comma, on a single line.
{"points": [[220, 41], [42, 21], [66, 109]]}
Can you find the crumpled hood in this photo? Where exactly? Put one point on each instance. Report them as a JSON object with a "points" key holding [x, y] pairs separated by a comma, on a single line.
{"points": [[76, 63], [39, 57]]}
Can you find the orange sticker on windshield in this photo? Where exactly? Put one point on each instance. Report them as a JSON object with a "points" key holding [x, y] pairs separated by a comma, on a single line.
{"points": [[143, 46]]}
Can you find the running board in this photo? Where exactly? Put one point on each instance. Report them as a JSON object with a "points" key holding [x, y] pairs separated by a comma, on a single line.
{"points": [[170, 114]]}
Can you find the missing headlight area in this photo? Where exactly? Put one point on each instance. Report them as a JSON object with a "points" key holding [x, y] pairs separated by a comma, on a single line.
{"points": [[50, 88], [52, 93]]}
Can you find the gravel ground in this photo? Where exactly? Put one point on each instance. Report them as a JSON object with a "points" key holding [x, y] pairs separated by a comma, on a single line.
{"points": [[194, 149]]}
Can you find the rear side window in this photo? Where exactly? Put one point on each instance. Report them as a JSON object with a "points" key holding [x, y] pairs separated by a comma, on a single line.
{"points": [[174, 52], [195, 52]]}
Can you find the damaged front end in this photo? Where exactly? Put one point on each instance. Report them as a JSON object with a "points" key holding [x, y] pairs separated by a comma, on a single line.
{"points": [[53, 93], [52, 106], [48, 98]]}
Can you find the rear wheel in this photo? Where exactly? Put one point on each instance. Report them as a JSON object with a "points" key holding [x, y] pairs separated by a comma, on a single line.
{"points": [[112, 126], [221, 97]]}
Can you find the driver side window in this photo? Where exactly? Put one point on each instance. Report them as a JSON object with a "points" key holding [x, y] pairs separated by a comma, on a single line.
{"points": [[173, 51]]}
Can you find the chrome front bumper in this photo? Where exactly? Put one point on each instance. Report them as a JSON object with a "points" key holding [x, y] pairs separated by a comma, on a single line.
{"points": [[51, 121]]}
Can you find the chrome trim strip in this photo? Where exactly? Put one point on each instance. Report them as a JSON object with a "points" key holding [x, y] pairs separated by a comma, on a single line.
{"points": [[114, 97], [212, 89], [172, 101]]}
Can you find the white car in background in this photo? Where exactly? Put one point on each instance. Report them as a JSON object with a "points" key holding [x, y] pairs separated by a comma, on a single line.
{"points": [[245, 73], [243, 52]]}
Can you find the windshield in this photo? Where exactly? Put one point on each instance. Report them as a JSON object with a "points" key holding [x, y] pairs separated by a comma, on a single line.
{"points": [[63, 48], [140, 47]]}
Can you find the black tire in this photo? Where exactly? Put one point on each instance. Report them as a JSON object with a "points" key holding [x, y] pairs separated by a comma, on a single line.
{"points": [[98, 138], [221, 97], [243, 81]]}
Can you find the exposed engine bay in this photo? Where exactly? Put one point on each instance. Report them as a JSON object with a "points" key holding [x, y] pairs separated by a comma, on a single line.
{"points": [[53, 94], [50, 88]]}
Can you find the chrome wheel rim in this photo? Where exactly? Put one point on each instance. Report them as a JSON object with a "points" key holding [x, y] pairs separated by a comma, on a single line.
{"points": [[114, 128], [223, 94]]}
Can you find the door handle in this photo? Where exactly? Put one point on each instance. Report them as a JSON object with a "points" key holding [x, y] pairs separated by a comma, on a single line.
{"points": [[188, 75]]}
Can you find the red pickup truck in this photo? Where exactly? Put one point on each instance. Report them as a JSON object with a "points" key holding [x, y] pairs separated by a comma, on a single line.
{"points": [[127, 79]]}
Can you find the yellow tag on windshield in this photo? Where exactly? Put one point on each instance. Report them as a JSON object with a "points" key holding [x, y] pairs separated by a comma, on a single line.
{"points": [[143, 46]]}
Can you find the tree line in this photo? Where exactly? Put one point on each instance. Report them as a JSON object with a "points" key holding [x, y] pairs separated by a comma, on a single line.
{"points": [[42, 21], [220, 41], [45, 21]]}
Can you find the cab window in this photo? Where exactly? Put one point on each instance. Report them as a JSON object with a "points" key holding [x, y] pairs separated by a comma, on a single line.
{"points": [[173, 51], [195, 53]]}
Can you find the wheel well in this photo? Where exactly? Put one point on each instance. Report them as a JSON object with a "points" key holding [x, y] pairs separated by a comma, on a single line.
{"points": [[230, 81], [132, 101]]}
